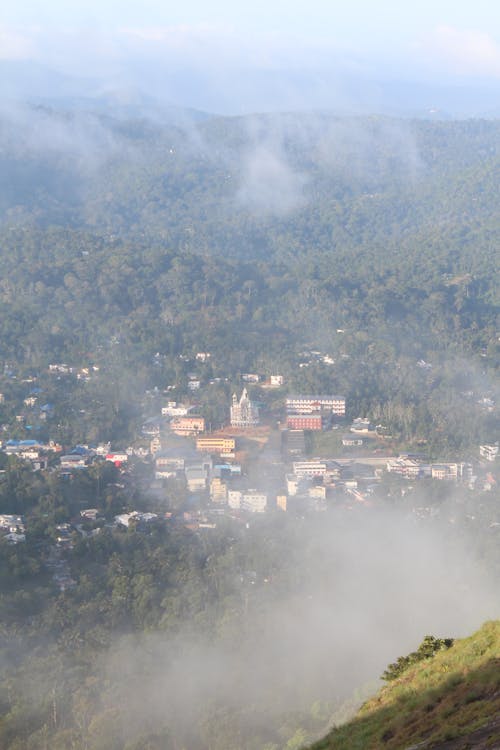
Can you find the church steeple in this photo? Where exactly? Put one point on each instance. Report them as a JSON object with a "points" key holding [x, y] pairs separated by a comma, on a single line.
{"points": [[244, 413]]}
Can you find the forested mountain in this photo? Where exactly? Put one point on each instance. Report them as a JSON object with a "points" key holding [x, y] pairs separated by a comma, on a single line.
{"points": [[355, 256], [255, 238]]}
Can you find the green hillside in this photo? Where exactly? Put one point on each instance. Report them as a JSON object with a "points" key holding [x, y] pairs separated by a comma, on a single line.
{"points": [[451, 701]]}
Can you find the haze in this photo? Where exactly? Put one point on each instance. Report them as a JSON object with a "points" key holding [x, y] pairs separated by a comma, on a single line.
{"points": [[236, 58]]}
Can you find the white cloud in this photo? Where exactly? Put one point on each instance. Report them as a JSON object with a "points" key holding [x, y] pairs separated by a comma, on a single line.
{"points": [[14, 45], [464, 51]]}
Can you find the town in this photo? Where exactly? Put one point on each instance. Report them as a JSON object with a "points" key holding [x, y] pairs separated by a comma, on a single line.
{"points": [[299, 455]]}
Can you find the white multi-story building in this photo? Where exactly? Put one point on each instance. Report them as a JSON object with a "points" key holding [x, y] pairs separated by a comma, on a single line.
{"points": [[253, 501], [313, 468], [234, 499], [310, 404], [489, 452]]}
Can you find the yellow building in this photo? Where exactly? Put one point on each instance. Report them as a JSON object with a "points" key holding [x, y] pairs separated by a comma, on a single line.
{"points": [[281, 502], [216, 444], [218, 491]]}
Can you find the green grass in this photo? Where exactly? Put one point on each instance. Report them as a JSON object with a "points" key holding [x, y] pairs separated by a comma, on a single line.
{"points": [[453, 695]]}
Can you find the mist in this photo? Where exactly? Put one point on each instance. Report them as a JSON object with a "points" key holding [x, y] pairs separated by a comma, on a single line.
{"points": [[367, 587]]}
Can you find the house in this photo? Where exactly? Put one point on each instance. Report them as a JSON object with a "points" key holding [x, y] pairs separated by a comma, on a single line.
{"points": [[20, 446], [173, 409], [118, 458], [125, 519], [361, 425], [12, 524], [186, 426], [489, 452], [277, 380], [250, 377], [74, 461], [317, 491], [151, 427], [89, 514]]}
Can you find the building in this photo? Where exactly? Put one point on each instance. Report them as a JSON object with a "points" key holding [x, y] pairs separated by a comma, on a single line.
{"points": [[12, 524], [197, 475], [253, 501], [305, 422], [186, 426], [125, 519], [277, 380], [293, 442], [227, 470], [218, 491], [317, 491], [310, 404], [173, 409], [220, 445], [234, 499], [292, 484], [281, 502], [244, 413], [444, 471], [155, 445], [167, 461], [250, 377], [361, 425], [489, 452], [89, 514], [314, 468], [117, 458], [74, 461], [406, 466]]}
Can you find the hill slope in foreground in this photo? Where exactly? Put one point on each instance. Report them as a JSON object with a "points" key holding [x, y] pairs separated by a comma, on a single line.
{"points": [[450, 702]]}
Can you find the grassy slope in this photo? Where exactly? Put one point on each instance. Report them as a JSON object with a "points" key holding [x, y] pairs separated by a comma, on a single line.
{"points": [[451, 702]]}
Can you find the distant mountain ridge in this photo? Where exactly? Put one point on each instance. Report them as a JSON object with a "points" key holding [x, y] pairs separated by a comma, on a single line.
{"points": [[232, 92], [448, 702]]}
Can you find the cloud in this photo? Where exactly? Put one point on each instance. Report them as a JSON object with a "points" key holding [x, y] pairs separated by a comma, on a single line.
{"points": [[14, 45], [464, 51], [269, 184], [369, 587]]}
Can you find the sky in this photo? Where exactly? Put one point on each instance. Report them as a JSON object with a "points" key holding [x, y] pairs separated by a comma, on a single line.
{"points": [[305, 44]]}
